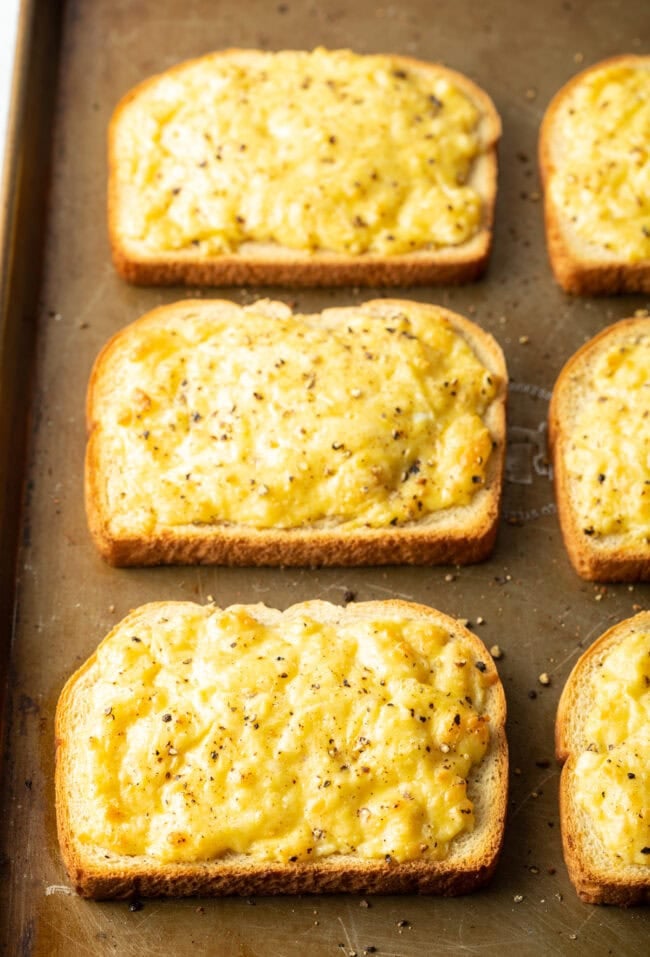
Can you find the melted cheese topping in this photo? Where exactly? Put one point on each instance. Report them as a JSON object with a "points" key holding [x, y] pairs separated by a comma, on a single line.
{"points": [[613, 776], [272, 420], [206, 733], [311, 151], [602, 181], [608, 452]]}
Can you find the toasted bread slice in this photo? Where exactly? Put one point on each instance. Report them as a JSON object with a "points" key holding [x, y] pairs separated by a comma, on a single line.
{"points": [[602, 738], [252, 167], [249, 750], [595, 170], [370, 434], [599, 434]]}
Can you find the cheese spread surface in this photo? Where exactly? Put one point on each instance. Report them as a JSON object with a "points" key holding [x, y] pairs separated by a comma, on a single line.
{"points": [[608, 449], [273, 420], [602, 180], [613, 775], [311, 151], [205, 733]]}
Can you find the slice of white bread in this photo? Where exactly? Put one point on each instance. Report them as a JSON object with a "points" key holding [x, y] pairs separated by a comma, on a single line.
{"points": [[368, 756], [333, 160], [599, 434], [370, 434], [610, 728], [596, 174]]}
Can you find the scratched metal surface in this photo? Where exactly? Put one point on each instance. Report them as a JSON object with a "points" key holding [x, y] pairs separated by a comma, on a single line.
{"points": [[531, 602]]}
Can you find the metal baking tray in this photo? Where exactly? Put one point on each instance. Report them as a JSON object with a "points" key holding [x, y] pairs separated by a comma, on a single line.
{"points": [[61, 300]]}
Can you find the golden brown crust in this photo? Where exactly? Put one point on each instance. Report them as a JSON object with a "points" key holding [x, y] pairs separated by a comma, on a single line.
{"points": [[101, 877], [603, 881], [578, 272], [275, 265], [593, 560], [312, 270], [289, 547], [460, 538]]}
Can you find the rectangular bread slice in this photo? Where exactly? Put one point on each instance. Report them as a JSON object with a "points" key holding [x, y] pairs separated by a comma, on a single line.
{"points": [[596, 173], [369, 434], [603, 740], [248, 750], [296, 168], [599, 434]]}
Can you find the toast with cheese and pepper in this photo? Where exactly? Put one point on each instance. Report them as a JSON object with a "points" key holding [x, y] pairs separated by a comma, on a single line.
{"points": [[249, 750], [595, 167], [603, 739], [599, 432], [303, 168], [370, 434]]}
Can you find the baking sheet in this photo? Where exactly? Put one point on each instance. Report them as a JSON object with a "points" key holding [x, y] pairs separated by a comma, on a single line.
{"points": [[525, 598]]}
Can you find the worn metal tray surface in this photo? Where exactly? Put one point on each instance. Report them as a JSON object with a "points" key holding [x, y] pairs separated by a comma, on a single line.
{"points": [[526, 598]]}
